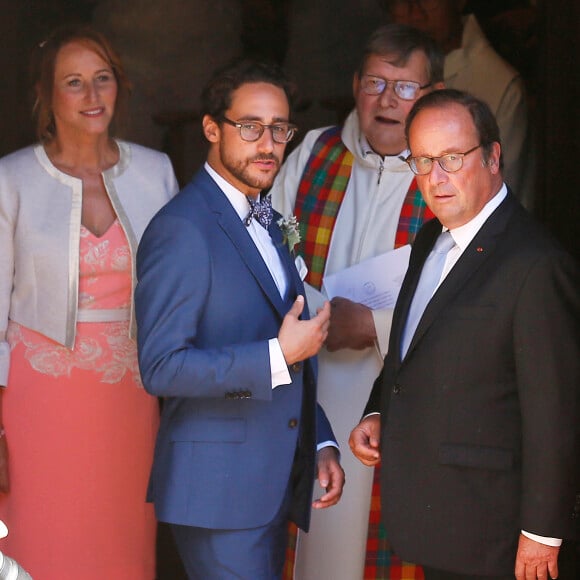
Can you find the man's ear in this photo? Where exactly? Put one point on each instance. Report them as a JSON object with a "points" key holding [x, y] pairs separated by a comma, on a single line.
{"points": [[494, 158], [211, 129]]}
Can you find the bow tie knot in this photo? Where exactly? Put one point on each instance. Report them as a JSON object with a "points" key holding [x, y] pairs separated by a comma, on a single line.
{"points": [[261, 211]]}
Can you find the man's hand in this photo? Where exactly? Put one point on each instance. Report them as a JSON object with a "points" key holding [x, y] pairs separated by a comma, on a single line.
{"points": [[330, 477], [365, 438], [536, 561], [351, 325], [301, 339]]}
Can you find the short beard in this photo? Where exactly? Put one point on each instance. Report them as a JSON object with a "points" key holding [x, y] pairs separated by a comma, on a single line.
{"points": [[240, 171]]}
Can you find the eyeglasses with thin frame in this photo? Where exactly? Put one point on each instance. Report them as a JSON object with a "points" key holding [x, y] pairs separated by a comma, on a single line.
{"points": [[450, 162], [406, 90], [253, 130]]}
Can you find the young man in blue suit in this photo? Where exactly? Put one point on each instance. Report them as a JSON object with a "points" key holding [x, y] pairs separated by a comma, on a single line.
{"points": [[477, 409], [224, 337]]}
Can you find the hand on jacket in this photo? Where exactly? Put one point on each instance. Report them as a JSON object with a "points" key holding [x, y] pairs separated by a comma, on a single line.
{"points": [[351, 325], [365, 438], [330, 477], [301, 339]]}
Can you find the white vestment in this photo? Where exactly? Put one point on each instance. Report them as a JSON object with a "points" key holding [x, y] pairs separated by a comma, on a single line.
{"points": [[365, 227]]}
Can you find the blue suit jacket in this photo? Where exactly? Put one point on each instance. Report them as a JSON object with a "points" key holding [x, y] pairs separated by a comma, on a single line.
{"points": [[206, 307]]}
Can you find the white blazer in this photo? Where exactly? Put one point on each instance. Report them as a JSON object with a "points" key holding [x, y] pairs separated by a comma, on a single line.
{"points": [[40, 219]]}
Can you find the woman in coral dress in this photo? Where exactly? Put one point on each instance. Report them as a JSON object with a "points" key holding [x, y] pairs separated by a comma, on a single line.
{"points": [[78, 430]]}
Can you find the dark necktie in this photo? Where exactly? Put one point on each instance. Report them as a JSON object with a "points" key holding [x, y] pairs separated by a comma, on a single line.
{"points": [[261, 211], [430, 276]]}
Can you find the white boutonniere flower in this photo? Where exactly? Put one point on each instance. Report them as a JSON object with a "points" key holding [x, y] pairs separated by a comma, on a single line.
{"points": [[290, 231]]}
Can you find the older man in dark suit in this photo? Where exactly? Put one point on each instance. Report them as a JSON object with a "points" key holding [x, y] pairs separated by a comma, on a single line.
{"points": [[476, 411]]}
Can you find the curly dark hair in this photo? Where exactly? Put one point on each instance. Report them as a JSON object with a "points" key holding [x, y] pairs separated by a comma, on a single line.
{"points": [[216, 97]]}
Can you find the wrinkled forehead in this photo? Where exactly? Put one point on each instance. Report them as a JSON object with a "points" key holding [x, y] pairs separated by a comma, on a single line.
{"points": [[412, 66], [451, 121]]}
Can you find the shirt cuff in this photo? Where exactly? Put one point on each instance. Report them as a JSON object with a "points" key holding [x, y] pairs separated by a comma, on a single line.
{"points": [[370, 414], [554, 542], [328, 443], [278, 367]]}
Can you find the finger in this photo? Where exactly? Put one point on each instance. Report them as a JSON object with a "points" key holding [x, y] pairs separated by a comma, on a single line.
{"points": [[553, 569], [297, 307], [323, 314], [323, 476], [531, 573], [365, 455], [330, 498]]}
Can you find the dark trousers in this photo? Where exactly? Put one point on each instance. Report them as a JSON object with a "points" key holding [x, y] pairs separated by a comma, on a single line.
{"points": [[568, 567]]}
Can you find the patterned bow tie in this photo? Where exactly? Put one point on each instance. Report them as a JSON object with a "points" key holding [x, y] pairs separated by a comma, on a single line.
{"points": [[260, 211]]}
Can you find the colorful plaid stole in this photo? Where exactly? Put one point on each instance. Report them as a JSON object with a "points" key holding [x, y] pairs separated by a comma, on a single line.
{"points": [[320, 194]]}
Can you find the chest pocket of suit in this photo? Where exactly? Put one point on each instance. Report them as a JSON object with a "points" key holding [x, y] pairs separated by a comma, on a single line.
{"points": [[476, 456], [232, 430]]}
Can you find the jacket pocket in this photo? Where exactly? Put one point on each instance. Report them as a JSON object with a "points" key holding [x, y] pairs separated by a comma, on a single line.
{"points": [[476, 456], [217, 430]]}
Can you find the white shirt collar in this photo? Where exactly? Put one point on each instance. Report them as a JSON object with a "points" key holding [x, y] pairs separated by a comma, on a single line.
{"points": [[368, 150], [238, 200], [465, 233]]}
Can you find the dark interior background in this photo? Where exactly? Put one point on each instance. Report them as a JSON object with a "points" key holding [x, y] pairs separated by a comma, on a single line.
{"points": [[170, 48]]}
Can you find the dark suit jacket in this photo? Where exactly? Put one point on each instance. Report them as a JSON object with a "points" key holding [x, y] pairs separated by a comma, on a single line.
{"points": [[480, 421], [206, 306]]}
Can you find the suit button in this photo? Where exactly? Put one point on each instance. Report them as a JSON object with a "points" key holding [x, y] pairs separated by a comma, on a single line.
{"points": [[296, 367], [293, 423], [396, 389]]}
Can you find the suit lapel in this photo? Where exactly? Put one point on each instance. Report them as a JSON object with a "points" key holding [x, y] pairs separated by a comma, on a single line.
{"points": [[229, 221], [295, 285], [477, 252]]}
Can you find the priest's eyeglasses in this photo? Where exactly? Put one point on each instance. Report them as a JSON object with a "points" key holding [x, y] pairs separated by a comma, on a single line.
{"points": [[253, 130], [450, 163], [406, 90]]}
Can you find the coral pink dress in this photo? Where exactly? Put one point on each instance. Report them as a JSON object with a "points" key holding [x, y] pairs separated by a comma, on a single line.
{"points": [[80, 431]]}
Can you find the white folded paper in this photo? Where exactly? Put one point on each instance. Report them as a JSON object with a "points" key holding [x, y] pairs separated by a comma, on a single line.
{"points": [[375, 282]]}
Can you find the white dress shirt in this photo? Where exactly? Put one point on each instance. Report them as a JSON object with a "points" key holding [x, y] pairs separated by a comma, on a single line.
{"points": [[265, 245]]}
